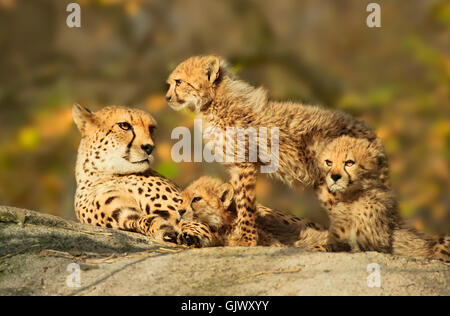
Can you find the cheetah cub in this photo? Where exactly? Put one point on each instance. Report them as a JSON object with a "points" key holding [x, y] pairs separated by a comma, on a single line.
{"points": [[206, 86], [211, 201], [362, 208], [116, 187]]}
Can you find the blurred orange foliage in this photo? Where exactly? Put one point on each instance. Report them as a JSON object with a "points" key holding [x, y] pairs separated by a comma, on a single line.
{"points": [[397, 78]]}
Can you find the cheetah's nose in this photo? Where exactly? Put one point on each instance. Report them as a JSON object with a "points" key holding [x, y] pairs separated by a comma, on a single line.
{"points": [[148, 148], [336, 176]]}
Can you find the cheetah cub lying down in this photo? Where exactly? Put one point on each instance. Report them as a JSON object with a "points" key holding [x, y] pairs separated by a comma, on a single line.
{"points": [[210, 201], [116, 187], [362, 208]]}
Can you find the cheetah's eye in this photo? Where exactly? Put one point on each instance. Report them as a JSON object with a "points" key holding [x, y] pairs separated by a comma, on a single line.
{"points": [[151, 129], [125, 126], [328, 162], [177, 82], [196, 199], [349, 163]]}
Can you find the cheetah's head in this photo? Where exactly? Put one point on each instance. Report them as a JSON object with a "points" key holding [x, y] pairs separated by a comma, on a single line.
{"points": [[207, 200], [348, 162], [116, 140], [193, 82]]}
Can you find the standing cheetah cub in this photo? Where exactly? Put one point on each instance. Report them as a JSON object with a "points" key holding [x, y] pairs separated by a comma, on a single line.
{"points": [[362, 208], [211, 201], [116, 187], [205, 85]]}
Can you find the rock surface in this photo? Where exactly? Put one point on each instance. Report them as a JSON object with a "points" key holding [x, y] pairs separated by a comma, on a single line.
{"points": [[40, 254]]}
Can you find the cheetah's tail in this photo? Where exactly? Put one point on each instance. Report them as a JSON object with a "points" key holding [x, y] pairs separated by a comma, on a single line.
{"points": [[441, 248], [412, 243]]}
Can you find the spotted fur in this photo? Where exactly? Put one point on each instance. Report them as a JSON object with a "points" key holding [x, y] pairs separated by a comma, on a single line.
{"points": [[211, 201], [362, 208], [116, 188], [205, 85]]}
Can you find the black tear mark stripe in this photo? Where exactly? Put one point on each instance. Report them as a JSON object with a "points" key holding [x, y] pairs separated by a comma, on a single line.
{"points": [[179, 100], [132, 140], [127, 154], [349, 177]]}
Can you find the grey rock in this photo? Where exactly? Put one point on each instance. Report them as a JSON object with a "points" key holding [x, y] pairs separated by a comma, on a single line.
{"points": [[37, 252]]}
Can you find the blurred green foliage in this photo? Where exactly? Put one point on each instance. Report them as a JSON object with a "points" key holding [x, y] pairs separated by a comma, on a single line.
{"points": [[396, 77]]}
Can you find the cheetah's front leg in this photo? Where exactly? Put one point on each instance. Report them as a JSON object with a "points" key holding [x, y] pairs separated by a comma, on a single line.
{"points": [[337, 241], [118, 211], [243, 180], [156, 227], [338, 233]]}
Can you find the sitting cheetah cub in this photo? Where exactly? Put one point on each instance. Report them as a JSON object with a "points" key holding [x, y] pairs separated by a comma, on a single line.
{"points": [[116, 187], [362, 208], [211, 201], [206, 86]]}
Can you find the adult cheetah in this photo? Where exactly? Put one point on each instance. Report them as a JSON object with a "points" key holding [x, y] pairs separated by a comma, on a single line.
{"points": [[116, 187]]}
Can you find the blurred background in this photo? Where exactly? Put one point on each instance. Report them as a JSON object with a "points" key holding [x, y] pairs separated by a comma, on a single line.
{"points": [[396, 78]]}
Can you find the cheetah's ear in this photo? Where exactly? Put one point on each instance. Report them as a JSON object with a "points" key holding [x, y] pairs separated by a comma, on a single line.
{"points": [[213, 68], [226, 194], [376, 147], [82, 117]]}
